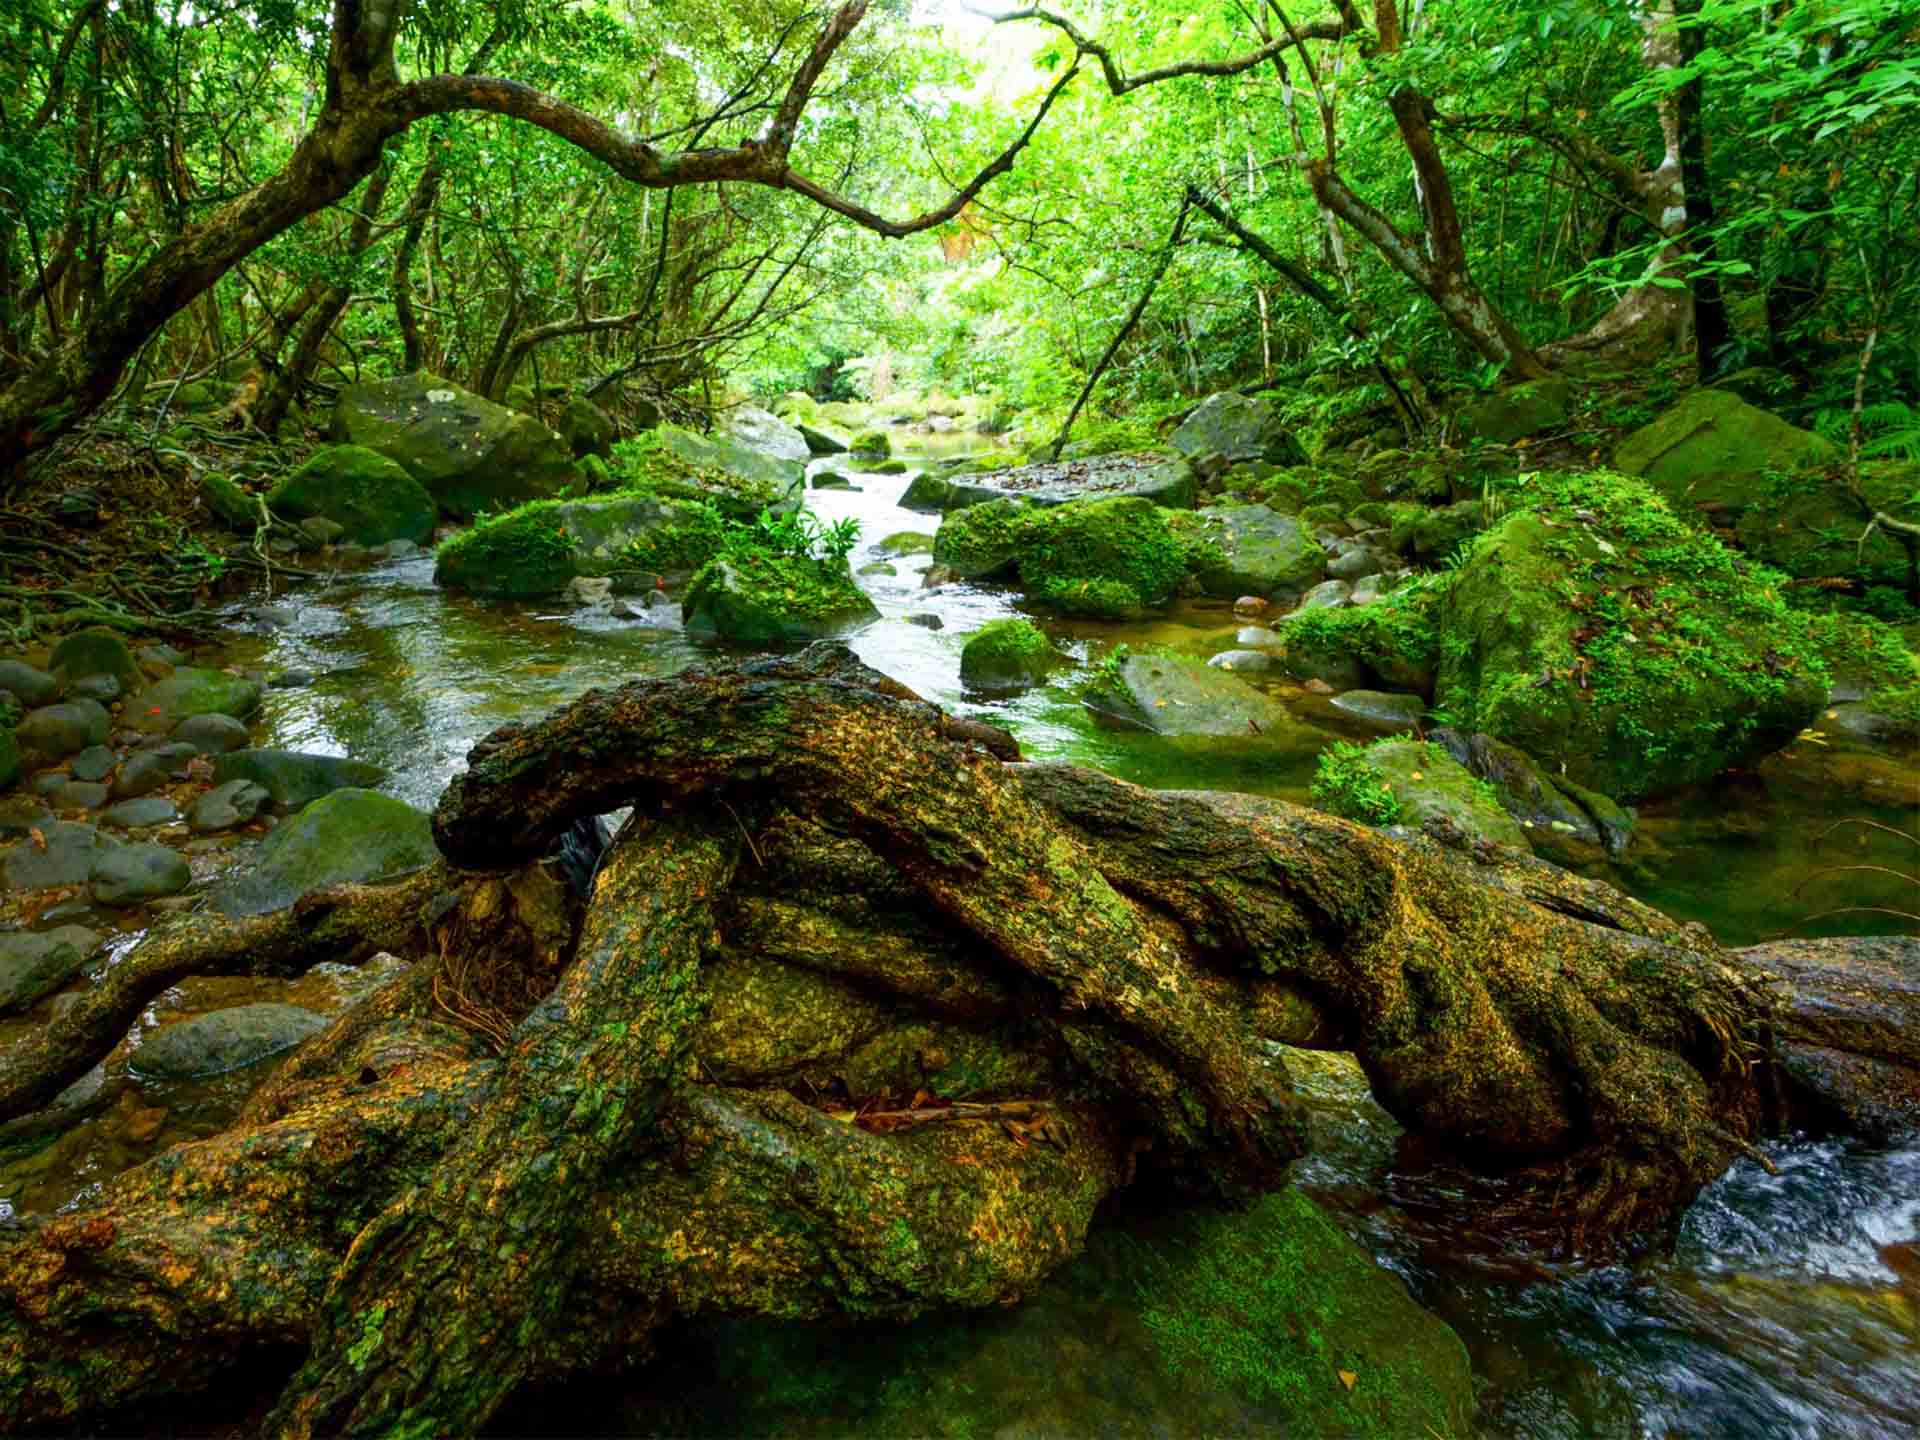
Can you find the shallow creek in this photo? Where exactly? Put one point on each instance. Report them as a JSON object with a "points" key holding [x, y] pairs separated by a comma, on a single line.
{"points": [[1789, 1306]]}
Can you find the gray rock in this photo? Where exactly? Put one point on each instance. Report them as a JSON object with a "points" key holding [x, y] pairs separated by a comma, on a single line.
{"points": [[1354, 562], [295, 779], [224, 1040], [35, 965], [350, 835], [819, 442], [590, 590], [146, 771], [95, 762], [67, 858], [45, 785], [77, 795], [72, 1105], [29, 686], [1381, 710], [926, 621], [1240, 429], [321, 530], [1256, 637], [133, 873], [1369, 588], [1264, 552], [226, 806], [1330, 595], [212, 734], [1177, 695], [104, 688], [1245, 662], [57, 731], [141, 814], [189, 691], [95, 652]]}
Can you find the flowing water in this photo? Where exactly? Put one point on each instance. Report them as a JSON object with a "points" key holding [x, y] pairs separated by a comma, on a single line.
{"points": [[1789, 1306]]}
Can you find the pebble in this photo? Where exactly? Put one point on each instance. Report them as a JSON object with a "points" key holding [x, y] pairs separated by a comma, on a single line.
{"points": [[1249, 605], [150, 770], [133, 873], [227, 806], [95, 762], [212, 734], [77, 795], [1245, 662], [141, 814]]}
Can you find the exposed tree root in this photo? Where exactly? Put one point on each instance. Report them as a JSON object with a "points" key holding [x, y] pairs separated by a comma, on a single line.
{"points": [[519, 1157]]}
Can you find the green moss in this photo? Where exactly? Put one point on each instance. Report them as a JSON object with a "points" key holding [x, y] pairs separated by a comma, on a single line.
{"points": [[372, 498], [1394, 638], [524, 553], [1601, 633], [1109, 558], [755, 597], [684, 545], [905, 542], [1324, 512], [888, 467], [1005, 653], [871, 444], [645, 465], [982, 540], [1900, 709], [1344, 784], [9, 746]]}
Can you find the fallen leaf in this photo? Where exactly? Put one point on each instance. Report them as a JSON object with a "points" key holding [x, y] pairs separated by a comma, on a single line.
{"points": [[39, 840], [1349, 1379]]}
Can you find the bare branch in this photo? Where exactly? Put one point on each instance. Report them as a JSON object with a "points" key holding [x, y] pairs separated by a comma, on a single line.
{"points": [[1120, 83]]}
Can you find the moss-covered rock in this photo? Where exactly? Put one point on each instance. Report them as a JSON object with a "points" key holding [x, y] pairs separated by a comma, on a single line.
{"points": [[1268, 1321], [1180, 695], [1619, 645], [587, 429], [228, 503], [188, 691], [87, 653], [733, 473], [821, 442], [1431, 533], [1434, 792], [1392, 642], [539, 548], [1517, 411], [871, 445], [349, 835], [372, 499], [1254, 550], [1105, 558], [982, 542], [293, 778], [905, 542], [757, 598], [1809, 525], [1240, 429], [1007, 655], [1714, 449], [470, 454]]}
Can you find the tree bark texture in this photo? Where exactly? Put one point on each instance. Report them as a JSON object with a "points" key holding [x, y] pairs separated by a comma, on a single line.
{"points": [[861, 1019]]}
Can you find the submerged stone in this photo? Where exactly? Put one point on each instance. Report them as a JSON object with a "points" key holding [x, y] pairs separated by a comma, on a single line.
{"points": [[1178, 695], [350, 835], [224, 1040]]}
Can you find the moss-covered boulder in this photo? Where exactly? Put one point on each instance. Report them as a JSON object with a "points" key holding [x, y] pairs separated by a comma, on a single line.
{"points": [[734, 465], [904, 542], [189, 691], [1713, 449], [754, 597], [1431, 533], [538, 549], [371, 498], [1254, 550], [1180, 695], [470, 454], [982, 542], [1241, 429], [1517, 411], [1007, 655], [1619, 645], [821, 442], [293, 778], [1106, 558], [1182, 1325], [348, 836], [1810, 525], [1391, 642], [1431, 791], [871, 445]]}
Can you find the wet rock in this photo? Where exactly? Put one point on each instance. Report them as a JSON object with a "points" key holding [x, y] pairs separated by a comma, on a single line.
{"points": [[1259, 549], [1257, 637], [141, 814], [926, 621], [1542, 804], [211, 734], [1009, 654], [32, 966], [350, 835], [590, 590], [224, 1040], [1354, 562], [77, 795], [293, 778], [95, 762], [762, 454], [469, 454], [1382, 710], [130, 874], [1369, 588], [361, 496], [1440, 796], [45, 785], [1329, 595], [278, 617], [103, 688], [225, 807], [95, 652], [1154, 476], [88, 1094], [1177, 695], [57, 731], [188, 692], [538, 551], [65, 858], [779, 599], [29, 686], [146, 771], [819, 442], [1245, 662], [320, 530], [1241, 429], [877, 567], [159, 660], [1249, 606], [904, 542]]}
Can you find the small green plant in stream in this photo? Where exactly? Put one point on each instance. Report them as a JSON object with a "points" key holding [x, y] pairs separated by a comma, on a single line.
{"points": [[1344, 784]]}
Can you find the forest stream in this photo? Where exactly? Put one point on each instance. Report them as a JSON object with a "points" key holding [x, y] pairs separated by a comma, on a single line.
{"points": [[1788, 1306]]}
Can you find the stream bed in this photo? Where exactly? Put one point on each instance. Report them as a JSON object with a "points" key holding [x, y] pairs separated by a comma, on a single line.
{"points": [[1789, 1304]]}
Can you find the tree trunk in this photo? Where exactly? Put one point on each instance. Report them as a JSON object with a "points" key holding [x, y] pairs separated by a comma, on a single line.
{"points": [[1003, 987]]}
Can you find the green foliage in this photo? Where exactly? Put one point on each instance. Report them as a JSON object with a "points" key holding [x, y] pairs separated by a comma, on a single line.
{"points": [[1344, 784]]}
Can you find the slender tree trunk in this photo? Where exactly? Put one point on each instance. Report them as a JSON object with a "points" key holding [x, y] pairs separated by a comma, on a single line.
{"points": [[1711, 329]]}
